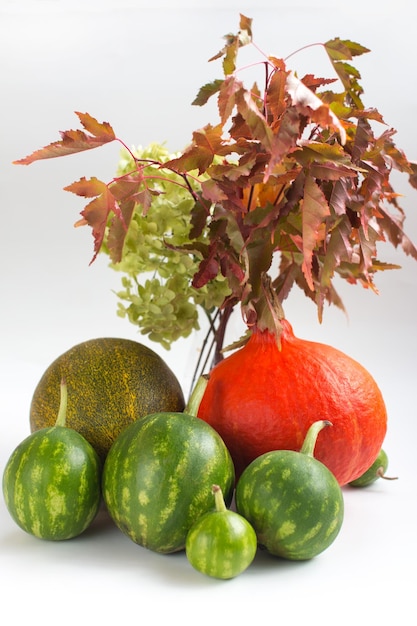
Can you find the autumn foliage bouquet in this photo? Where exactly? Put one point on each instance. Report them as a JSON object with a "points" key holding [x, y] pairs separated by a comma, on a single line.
{"points": [[291, 186]]}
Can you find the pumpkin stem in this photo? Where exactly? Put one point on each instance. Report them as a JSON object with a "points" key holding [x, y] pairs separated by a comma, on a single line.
{"points": [[263, 309], [311, 436], [62, 412], [218, 499], [196, 396]]}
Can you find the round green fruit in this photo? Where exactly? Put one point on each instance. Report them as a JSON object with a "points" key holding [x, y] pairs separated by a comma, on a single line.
{"points": [[375, 471], [292, 500], [111, 383], [221, 543], [158, 475], [51, 482]]}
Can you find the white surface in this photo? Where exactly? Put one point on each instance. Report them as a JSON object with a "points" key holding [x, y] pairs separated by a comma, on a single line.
{"points": [[139, 68]]}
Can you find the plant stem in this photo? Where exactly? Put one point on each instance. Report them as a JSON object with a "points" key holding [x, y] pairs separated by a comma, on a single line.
{"points": [[311, 436], [218, 499], [216, 343], [62, 412], [210, 331], [196, 396], [220, 334]]}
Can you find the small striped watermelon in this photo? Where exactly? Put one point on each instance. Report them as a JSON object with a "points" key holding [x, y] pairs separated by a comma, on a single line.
{"points": [[51, 482], [221, 544], [292, 500], [158, 476]]}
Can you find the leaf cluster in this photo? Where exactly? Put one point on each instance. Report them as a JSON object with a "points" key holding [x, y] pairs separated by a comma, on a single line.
{"points": [[291, 186], [303, 189]]}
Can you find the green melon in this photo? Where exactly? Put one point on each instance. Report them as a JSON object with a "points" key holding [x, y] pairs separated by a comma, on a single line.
{"points": [[51, 482], [292, 500], [111, 383], [221, 543], [158, 477], [374, 472]]}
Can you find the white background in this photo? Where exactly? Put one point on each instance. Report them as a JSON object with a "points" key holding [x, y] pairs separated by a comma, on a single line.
{"points": [[139, 65]]}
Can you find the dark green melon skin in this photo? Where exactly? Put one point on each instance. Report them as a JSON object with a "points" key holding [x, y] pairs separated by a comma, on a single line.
{"points": [[52, 484], [158, 477], [375, 471], [294, 503], [111, 382]]}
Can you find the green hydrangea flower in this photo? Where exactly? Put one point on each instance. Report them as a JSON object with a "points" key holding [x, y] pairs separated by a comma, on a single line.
{"points": [[157, 293]]}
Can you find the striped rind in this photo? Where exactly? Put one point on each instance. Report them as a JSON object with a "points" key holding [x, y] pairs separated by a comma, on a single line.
{"points": [[51, 484], [158, 475], [294, 503], [221, 544]]}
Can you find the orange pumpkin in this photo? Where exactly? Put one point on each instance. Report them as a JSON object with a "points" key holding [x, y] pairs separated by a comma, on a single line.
{"points": [[264, 397]]}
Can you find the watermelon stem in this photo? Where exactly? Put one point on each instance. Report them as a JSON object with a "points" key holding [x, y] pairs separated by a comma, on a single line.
{"points": [[196, 396], [311, 436], [380, 474], [219, 499], [62, 412]]}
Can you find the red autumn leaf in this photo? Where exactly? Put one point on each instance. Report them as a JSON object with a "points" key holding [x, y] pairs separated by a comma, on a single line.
{"points": [[340, 51], [314, 210], [332, 171], [201, 152], [338, 250], [254, 118], [245, 29], [96, 214], [206, 91], [367, 247], [326, 161], [127, 186], [343, 49], [73, 141], [95, 128], [212, 192], [370, 114], [144, 198], [233, 43], [88, 188], [232, 171], [285, 140], [118, 229], [275, 96], [413, 175], [315, 151], [314, 82], [288, 271], [240, 132], [339, 197], [208, 268], [395, 233], [198, 220], [227, 97], [119, 198], [307, 101], [127, 193]]}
